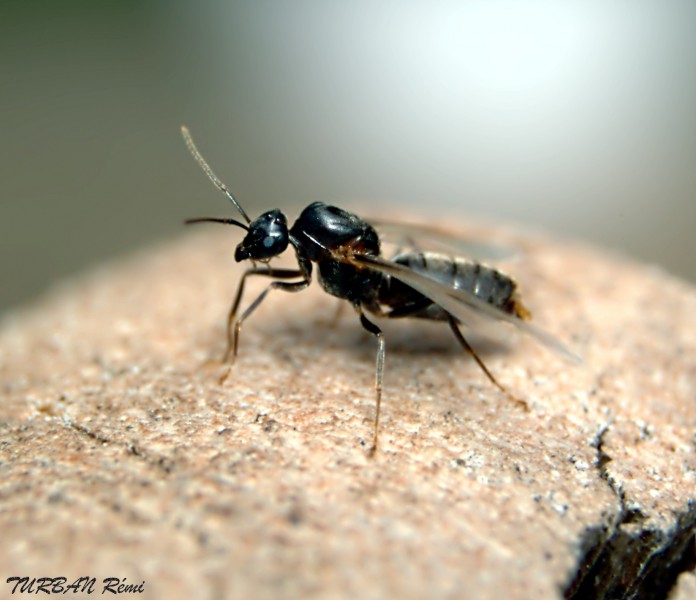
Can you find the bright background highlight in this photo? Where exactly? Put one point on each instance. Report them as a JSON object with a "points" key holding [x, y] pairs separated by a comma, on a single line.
{"points": [[578, 117]]}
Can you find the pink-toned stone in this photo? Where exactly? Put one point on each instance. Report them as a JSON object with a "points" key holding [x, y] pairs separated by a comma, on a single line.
{"points": [[122, 456]]}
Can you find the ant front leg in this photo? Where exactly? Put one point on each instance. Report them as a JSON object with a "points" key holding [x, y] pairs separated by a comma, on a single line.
{"points": [[295, 286], [377, 332], [232, 315]]}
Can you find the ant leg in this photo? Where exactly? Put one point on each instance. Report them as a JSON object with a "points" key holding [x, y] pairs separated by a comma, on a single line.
{"points": [[377, 332], [232, 315], [295, 286], [460, 338]]}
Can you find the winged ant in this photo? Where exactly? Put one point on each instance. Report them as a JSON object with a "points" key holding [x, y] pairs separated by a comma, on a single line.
{"points": [[346, 251]]}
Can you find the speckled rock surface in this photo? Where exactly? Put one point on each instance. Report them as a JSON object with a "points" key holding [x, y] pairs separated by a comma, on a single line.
{"points": [[685, 588], [121, 455]]}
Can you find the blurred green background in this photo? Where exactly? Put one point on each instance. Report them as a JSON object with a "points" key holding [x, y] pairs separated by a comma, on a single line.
{"points": [[577, 117]]}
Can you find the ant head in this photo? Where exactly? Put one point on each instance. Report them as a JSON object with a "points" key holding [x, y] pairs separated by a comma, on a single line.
{"points": [[266, 237]]}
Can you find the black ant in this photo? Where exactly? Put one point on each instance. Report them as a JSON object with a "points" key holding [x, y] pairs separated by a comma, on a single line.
{"points": [[346, 250]]}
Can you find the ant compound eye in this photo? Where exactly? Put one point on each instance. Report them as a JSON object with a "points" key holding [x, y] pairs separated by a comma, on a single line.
{"points": [[268, 241]]}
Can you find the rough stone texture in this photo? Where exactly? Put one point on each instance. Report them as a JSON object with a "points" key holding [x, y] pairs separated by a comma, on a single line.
{"points": [[122, 456], [685, 588]]}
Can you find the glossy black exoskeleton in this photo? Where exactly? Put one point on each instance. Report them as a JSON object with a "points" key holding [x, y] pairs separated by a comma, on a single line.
{"points": [[346, 251]]}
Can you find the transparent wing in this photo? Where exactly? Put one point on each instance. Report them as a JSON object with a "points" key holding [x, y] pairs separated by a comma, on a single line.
{"points": [[423, 237], [467, 308]]}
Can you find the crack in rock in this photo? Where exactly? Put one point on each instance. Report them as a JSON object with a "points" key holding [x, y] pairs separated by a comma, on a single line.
{"points": [[627, 559]]}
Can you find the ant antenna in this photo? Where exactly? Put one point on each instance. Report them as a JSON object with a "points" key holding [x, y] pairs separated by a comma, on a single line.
{"points": [[209, 172], [216, 220]]}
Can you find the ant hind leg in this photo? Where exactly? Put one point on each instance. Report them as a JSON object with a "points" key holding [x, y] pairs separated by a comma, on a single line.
{"points": [[454, 326]]}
